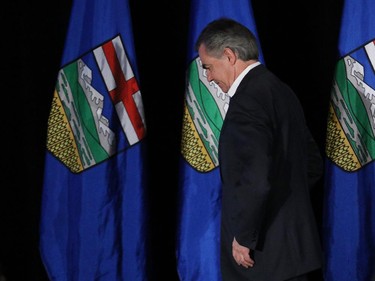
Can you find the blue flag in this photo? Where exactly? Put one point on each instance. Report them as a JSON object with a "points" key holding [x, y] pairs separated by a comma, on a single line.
{"points": [[349, 203], [198, 235], [93, 205]]}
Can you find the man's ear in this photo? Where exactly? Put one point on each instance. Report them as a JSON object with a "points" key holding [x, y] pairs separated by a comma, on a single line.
{"points": [[231, 56]]}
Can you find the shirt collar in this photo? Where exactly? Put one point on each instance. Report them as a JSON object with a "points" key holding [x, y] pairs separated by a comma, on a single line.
{"points": [[233, 88]]}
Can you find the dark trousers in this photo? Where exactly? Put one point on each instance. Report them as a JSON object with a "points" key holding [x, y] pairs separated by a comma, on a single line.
{"points": [[299, 278]]}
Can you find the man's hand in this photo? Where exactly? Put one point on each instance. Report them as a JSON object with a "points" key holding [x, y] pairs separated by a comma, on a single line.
{"points": [[241, 255]]}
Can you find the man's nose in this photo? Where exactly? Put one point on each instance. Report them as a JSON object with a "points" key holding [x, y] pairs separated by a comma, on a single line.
{"points": [[209, 76]]}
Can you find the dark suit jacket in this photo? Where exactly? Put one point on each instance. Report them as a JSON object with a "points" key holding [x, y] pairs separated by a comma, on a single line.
{"points": [[268, 161]]}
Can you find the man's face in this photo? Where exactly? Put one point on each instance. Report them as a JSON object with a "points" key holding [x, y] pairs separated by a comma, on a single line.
{"points": [[220, 70]]}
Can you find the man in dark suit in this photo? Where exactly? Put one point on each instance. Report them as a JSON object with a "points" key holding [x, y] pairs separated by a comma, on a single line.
{"points": [[268, 162]]}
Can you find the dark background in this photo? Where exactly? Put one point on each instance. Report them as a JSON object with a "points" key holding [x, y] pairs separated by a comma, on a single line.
{"points": [[298, 40]]}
